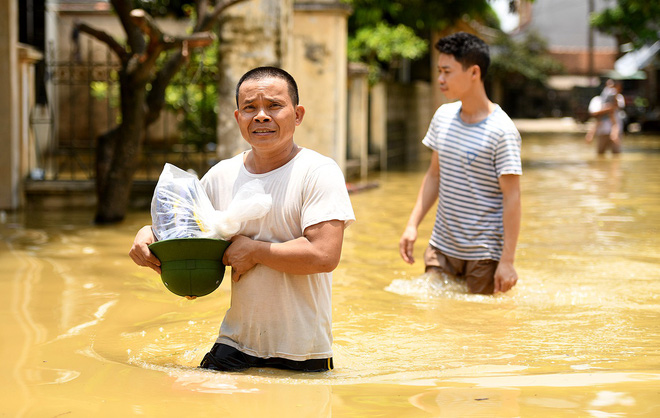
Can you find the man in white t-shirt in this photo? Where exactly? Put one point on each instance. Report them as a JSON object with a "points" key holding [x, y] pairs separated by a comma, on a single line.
{"points": [[280, 313], [474, 174], [607, 109]]}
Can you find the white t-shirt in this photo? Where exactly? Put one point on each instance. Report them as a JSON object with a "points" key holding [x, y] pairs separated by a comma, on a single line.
{"points": [[604, 126], [472, 157], [275, 314]]}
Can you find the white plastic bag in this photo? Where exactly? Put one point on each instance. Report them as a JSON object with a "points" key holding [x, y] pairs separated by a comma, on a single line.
{"points": [[181, 209], [250, 202]]}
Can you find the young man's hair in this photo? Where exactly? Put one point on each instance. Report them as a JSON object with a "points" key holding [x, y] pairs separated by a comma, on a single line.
{"points": [[467, 49], [260, 73]]}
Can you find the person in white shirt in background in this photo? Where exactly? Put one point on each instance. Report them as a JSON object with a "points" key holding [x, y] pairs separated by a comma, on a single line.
{"points": [[607, 108]]}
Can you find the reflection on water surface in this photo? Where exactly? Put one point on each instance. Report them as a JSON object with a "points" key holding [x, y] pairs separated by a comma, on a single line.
{"points": [[85, 331]]}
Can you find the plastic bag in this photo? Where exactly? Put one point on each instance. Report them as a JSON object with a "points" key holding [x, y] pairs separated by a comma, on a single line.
{"points": [[180, 207], [250, 202]]}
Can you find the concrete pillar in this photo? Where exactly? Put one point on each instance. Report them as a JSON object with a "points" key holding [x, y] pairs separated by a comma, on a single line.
{"points": [[358, 118], [9, 113], [378, 122], [252, 34], [318, 62], [30, 150]]}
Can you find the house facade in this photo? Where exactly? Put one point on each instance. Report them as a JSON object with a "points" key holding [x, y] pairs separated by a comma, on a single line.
{"points": [[282, 33]]}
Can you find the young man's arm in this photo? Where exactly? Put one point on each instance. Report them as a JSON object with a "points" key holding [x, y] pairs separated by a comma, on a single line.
{"points": [[428, 194], [505, 275], [317, 251]]}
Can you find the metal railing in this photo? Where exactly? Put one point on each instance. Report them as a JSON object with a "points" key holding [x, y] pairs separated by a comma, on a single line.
{"points": [[83, 104]]}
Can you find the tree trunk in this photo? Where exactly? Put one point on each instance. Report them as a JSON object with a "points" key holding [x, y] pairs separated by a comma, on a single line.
{"points": [[118, 153]]}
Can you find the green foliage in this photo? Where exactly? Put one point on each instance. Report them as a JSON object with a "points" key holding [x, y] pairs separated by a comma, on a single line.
{"points": [[524, 61], [157, 8], [636, 21], [383, 32], [383, 43], [420, 15], [193, 95], [104, 90]]}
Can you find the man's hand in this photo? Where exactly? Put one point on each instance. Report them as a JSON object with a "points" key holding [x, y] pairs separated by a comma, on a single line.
{"points": [[239, 256], [590, 135], [140, 253], [407, 244], [505, 277]]}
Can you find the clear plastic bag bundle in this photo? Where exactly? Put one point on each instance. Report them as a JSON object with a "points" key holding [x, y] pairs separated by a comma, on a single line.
{"points": [[180, 207], [250, 202]]}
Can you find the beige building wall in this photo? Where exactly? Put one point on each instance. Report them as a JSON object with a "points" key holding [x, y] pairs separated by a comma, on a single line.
{"points": [[253, 33], [378, 123], [318, 62], [358, 119], [307, 39]]}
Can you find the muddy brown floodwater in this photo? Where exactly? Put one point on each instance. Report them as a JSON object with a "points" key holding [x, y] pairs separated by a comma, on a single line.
{"points": [[85, 332]]}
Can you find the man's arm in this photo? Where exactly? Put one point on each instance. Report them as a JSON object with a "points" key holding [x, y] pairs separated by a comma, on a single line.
{"points": [[505, 275], [615, 133], [317, 251], [428, 194], [607, 109], [140, 252]]}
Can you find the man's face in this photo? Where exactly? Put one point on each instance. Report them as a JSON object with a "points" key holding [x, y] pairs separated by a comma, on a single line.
{"points": [[266, 114], [454, 81]]}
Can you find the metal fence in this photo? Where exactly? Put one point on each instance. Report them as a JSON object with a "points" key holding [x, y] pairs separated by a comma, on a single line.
{"points": [[84, 103]]}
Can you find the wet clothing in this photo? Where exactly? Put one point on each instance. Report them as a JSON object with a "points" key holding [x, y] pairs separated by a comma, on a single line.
{"points": [[479, 274], [228, 359], [472, 157], [275, 314]]}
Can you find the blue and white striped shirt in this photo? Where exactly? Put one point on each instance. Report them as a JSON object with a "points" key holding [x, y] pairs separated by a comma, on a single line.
{"points": [[472, 157]]}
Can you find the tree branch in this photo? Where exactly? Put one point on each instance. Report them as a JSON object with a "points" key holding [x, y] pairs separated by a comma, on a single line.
{"points": [[156, 96], [210, 18], [135, 40], [160, 42], [200, 8], [105, 38], [156, 37], [200, 37], [148, 26]]}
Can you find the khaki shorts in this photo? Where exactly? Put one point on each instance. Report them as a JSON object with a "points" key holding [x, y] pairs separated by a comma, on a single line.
{"points": [[479, 274]]}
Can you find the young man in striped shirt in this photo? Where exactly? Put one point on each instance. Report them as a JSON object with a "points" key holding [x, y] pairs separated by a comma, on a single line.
{"points": [[474, 174]]}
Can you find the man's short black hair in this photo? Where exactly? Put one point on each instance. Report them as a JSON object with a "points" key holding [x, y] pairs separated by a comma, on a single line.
{"points": [[467, 49], [260, 73]]}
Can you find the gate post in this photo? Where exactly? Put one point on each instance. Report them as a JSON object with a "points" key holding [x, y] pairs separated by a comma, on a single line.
{"points": [[10, 180]]}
